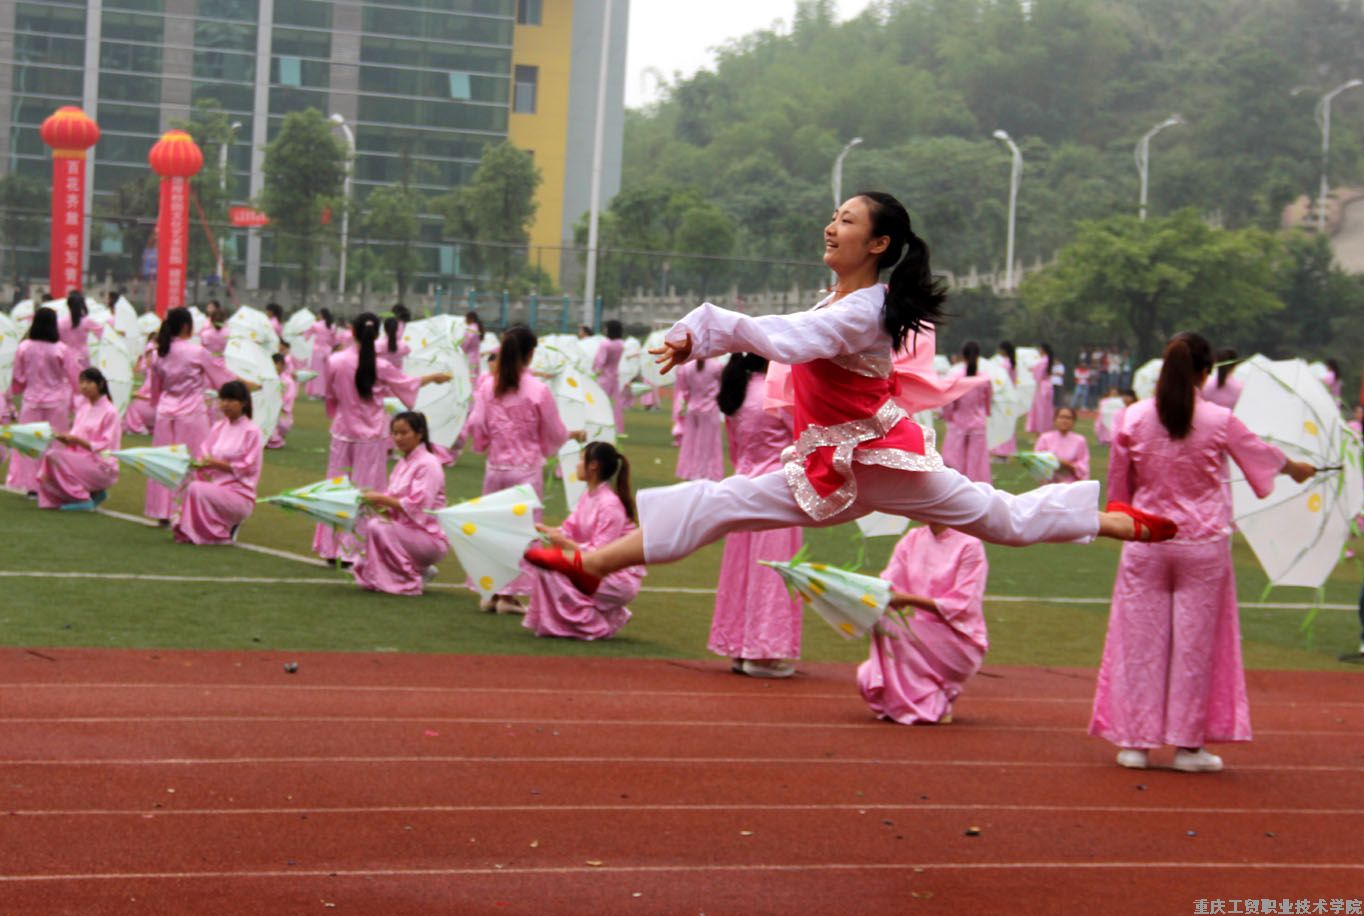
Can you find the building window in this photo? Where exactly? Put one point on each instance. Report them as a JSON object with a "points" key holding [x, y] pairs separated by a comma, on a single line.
{"points": [[524, 100], [459, 86], [290, 71], [528, 12], [449, 260]]}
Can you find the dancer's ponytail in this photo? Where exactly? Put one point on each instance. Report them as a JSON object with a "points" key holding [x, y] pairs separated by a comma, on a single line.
{"points": [[1187, 357], [1226, 361], [611, 463], [75, 303], [970, 352], [734, 381], [514, 355], [914, 297], [177, 319], [326, 315], [366, 329], [391, 332]]}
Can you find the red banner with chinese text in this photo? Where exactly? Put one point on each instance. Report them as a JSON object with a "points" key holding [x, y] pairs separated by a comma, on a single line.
{"points": [[67, 253], [172, 231]]}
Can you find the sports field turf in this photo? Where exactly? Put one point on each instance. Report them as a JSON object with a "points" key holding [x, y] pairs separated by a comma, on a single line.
{"points": [[70, 579]]}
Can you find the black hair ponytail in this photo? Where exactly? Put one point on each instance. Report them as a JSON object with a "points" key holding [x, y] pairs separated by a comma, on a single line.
{"points": [[970, 352], [734, 381], [391, 332], [326, 316], [518, 345], [76, 304], [366, 330], [91, 374], [1187, 356], [1046, 351], [177, 319], [611, 463], [914, 297], [1226, 361]]}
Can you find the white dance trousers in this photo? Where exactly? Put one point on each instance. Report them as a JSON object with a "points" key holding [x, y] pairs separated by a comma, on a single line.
{"points": [[680, 519]]}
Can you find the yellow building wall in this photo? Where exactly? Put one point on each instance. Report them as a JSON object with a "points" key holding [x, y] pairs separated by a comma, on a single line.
{"points": [[548, 46]]}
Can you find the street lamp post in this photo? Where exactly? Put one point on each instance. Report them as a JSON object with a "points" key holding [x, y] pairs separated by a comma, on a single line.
{"points": [[340, 121], [598, 152], [1323, 114], [1015, 175], [837, 177], [1143, 156], [222, 184]]}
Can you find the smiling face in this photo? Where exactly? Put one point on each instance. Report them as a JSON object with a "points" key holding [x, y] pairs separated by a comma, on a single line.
{"points": [[405, 437], [849, 243]]}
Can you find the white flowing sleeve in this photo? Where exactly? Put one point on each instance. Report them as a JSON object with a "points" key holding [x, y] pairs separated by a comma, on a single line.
{"points": [[850, 326]]}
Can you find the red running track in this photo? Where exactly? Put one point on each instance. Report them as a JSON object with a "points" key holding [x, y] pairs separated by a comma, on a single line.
{"points": [[179, 782]]}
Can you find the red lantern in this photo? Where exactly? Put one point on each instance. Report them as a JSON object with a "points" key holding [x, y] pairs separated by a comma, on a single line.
{"points": [[70, 132], [176, 158]]}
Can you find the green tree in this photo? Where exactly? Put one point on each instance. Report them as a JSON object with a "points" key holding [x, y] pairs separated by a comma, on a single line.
{"points": [[391, 223], [493, 212], [23, 209], [305, 170], [1144, 281]]}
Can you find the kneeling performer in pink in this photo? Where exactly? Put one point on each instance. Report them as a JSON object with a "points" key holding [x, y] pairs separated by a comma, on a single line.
{"points": [[227, 471], [74, 475], [915, 673], [857, 450], [604, 513], [401, 545]]}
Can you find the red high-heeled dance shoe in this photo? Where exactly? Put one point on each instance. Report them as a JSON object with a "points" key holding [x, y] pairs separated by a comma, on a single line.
{"points": [[1160, 527], [555, 559]]}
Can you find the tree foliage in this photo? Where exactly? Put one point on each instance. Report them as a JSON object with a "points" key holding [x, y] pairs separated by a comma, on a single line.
{"points": [[23, 204], [494, 212], [211, 128], [305, 171], [391, 214]]}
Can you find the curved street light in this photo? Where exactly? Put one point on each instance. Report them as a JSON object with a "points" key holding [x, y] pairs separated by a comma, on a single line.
{"points": [[1015, 175], [1143, 157], [340, 121], [1323, 115], [837, 177]]}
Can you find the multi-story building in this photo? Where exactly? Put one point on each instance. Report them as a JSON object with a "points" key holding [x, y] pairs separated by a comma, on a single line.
{"points": [[425, 82]]}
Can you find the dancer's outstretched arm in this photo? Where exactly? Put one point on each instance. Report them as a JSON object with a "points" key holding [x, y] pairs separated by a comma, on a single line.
{"points": [[851, 325]]}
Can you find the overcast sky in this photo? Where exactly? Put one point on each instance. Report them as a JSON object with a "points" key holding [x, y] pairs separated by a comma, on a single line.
{"points": [[678, 35]]}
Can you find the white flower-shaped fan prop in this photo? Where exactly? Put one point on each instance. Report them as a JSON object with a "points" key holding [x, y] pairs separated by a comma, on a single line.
{"points": [[1041, 466], [584, 405], [1145, 378], [334, 501], [850, 602], [631, 361], [574, 487], [649, 371], [31, 439], [1002, 423], [253, 325], [490, 533], [22, 315], [882, 525], [166, 464], [1024, 359], [941, 364], [1320, 371], [587, 351], [148, 323], [554, 354], [1109, 408], [199, 319], [111, 358], [300, 347], [9, 346], [1299, 531], [434, 343], [129, 329], [249, 362]]}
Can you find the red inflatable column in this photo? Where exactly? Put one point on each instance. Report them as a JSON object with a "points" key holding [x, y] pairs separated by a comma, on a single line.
{"points": [[177, 159], [70, 132]]}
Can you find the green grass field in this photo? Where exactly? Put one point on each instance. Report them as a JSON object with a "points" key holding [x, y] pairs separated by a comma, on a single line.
{"points": [[326, 612]]}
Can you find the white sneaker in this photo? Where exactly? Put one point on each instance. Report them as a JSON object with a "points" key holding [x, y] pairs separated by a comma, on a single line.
{"points": [[428, 574], [1133, 758], [770, 668], [1199, 761]]}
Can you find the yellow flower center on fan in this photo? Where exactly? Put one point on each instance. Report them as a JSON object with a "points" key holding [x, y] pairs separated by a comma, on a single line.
{"points": [[519, 509], [804, 597], [37, 434], [590, 399], [6, 435], [1311, 428], [848, 628], [869, 601], [486, 583], [819, 566], [818, 587], [572, 382], [1314, 503], [343, 514], [474, 501], [469, 528], [338, 480]]}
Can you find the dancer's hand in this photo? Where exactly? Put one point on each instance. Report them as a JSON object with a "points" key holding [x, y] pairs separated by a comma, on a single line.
{"points": [[1300, 471], [671, 355], [556, 537], [578, 435]]}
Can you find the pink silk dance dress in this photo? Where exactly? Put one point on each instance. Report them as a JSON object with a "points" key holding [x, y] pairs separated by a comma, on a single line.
{"points": [[1040, 413], [140, 417], [1171, 670], [966, 450], [856, 449], [1225, 396], [756, 617], [324, 340], [701, 454], [360, 438], [179, 380], [288, 394], [45, 376], [69, 473], [556, 607], [216, 501], [517, 432], [606, 365], [77, 339], [213, 339], [1070, 447], [401, 544], [916, 676]]}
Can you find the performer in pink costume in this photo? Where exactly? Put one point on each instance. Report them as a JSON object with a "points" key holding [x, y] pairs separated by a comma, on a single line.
{"points": [[45, 377], [1223, 388], [915, 674], [221, 491], [473, 340], [966, 450], [1069, 447], [604, 513], [701, 454], [757, 621], [356, 382], [391, 347], [274, 314], [403, 541], [1039, 415], [74, 475], [856, 450], [139, 418], [77, 329], [1171, 670], [213, 335], [322, 333], [288, 395], [606, 365], [1009, 446], [1333, 378], [181, 372]]}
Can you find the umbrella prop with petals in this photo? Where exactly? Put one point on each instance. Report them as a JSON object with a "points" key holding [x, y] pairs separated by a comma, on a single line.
{"points": [[252, 363], [650, 371], [1041, 466], [30, 439], [1145, 378], [1005, 408], [631, 360], [574, 487], [1298, 533], [490, 533], [435, 346], [9, 347], [334, 501], [111, 357], [168, 465], [300, 347], [584, 405], [852, 603], [251, 324]]}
